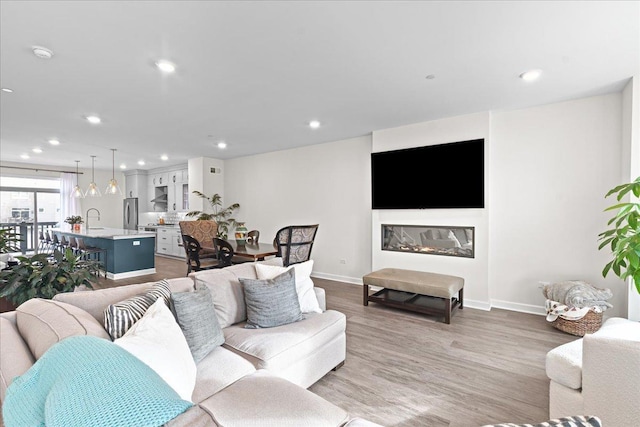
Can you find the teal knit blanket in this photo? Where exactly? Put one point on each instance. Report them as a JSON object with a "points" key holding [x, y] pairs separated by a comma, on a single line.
{"points": [[89, 381]]}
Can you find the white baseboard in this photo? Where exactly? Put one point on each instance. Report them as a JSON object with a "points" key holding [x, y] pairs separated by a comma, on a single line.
{"points": [[478, 305], [522, 308], [129, 274], [337, 278]]}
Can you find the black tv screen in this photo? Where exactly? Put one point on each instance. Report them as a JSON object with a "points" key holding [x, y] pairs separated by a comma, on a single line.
{"points": [[444, 176]]}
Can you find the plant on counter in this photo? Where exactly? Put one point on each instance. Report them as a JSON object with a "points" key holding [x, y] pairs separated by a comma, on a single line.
{"points": [[624, 237], [219, 215], [74, 219], [8, 240], [38, 276]]}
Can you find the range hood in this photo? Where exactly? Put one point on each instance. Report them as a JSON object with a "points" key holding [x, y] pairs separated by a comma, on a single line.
{"points": [[160, 199]]}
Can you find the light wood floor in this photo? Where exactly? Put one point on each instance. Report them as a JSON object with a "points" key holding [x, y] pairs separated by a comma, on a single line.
{"points": [[406, 369]]}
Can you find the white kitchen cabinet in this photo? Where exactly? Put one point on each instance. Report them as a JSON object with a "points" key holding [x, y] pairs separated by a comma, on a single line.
{"points": [[159, 179], [135, 185], [169, 242], [178, 191]]}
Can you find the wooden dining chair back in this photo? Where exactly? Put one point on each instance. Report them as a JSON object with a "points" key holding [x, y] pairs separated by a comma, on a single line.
{"points": [[224, 252], [253, 237], [203, 231], [294, 243], [192, 250]]}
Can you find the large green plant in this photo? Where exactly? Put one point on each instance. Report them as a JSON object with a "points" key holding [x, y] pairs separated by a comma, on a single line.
{"points": [[624, 235], [38, 276], [220, 215], [8, 240]]}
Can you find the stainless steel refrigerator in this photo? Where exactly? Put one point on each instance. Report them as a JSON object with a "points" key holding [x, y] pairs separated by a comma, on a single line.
{"points": [[130, 214]]}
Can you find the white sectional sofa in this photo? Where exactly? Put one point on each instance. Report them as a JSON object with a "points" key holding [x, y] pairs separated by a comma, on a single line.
{"points": [[598, 375], [256, 378]]}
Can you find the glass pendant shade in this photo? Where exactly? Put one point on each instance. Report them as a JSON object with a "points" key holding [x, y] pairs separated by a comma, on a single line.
{"points": [[77, 193], [113, 189], [93, 190]]}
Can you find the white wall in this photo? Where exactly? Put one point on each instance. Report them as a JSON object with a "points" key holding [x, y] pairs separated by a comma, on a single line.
{"points": [[473, 270], [550, 169], [325, 184], [202, 179]]}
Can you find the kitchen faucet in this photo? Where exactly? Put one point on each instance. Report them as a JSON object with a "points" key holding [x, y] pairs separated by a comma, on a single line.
{"points": [[89, 210]]}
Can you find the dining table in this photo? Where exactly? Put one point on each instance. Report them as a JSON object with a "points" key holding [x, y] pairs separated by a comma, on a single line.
{"points": [[254, 251]]}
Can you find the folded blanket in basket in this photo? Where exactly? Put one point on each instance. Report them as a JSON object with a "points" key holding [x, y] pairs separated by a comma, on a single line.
{"points": [[576, 293], [89, 381], [555, 310]]}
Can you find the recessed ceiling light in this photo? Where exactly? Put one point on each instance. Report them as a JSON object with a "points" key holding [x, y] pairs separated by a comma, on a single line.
{"points": [[94, 120], [123, 166], [6, 89], [37, 150], [164, 157], [314, 124], [166, 66], [531, 75], [24, 156], [54, 142], [222, 145], [42, 52], [141, 162]]}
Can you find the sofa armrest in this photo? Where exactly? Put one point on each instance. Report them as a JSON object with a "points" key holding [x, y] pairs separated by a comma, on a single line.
{"points": [[610, 374], [322, 300]]}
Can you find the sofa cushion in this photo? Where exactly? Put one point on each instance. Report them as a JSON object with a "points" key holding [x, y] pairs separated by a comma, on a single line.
{"points": [[197, 318], [564, 364], [272, 302], [156, 339], [304, 285], [227, 294], [43, 322], [15, 357], [264, 400], [95, 302], [246, 270], [219, 369], [121, 316], [276, 348]]}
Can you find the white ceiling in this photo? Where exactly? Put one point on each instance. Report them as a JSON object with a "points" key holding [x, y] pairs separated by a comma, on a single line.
{"points": [[254, 73]]}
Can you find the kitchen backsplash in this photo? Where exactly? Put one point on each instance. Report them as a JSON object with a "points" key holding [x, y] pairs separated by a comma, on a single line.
{"points": [[146, 218]]}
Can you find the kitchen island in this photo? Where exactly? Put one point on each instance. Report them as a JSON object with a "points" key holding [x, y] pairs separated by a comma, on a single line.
{"points": [[129, 253]]}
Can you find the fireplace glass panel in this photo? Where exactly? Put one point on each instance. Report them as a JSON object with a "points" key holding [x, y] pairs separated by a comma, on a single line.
{"points": [[429, 239]]}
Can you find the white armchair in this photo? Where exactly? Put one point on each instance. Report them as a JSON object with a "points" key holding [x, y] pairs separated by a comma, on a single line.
{"points": [[598, 375]]}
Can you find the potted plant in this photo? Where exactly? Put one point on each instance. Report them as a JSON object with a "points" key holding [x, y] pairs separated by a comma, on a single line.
{"points": [[219, 215], [39, 277], [75, 221], [624, 235], [8, 240]]}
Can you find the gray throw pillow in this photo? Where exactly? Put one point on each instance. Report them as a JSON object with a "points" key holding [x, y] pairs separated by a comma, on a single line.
{"points": [[197, 318], [272, 302]]}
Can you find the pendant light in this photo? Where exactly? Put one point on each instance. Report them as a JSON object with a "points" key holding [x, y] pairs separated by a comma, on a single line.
{"points": [[113, 189], [93, 190], [77, 191]]}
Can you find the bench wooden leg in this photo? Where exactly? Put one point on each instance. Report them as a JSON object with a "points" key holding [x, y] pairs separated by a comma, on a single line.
{"points": [[461, 298], [447, 311], [365, 294]]}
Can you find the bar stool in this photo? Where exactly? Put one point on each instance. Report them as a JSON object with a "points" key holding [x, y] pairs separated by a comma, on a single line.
{"points": [[92, 252]]}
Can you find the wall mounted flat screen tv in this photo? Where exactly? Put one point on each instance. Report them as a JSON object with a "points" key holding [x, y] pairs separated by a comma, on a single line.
{"points": [[444, 176]]}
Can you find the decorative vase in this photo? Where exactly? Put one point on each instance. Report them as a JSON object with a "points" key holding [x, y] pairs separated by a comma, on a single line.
{"points": [[241, 234], [76, 227]]}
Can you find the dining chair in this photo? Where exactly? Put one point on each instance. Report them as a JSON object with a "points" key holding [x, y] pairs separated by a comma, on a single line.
{"points": [[193, 251], [224, 252], [203, 231], [294, 243], [253, 237]]}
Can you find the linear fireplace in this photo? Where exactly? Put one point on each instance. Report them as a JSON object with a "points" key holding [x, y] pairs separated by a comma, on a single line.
{"points": [[429, 239]]}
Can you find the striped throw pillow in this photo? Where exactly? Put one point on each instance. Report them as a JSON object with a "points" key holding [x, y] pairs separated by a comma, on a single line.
{"points": [[576, 421], [119, 317]]}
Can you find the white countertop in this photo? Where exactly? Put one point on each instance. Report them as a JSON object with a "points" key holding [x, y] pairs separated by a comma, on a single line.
{"points": [[156, 226], [108, 233]]}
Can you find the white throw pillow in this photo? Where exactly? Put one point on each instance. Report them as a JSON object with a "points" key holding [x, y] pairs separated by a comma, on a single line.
{"points": [[304, 284], [156, 339]]}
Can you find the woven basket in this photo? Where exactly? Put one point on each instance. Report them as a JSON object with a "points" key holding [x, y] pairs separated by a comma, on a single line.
{"points": [[590, 323]]}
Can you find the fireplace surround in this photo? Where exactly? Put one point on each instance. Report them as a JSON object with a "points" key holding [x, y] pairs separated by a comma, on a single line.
{"points": [[456, 241]]}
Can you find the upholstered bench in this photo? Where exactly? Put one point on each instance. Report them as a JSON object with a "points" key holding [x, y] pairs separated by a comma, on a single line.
{"points": [[418, 291]]}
